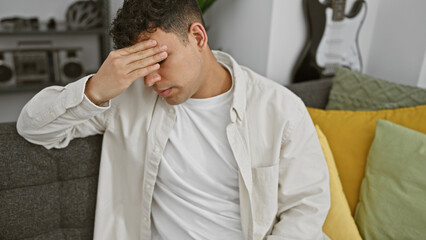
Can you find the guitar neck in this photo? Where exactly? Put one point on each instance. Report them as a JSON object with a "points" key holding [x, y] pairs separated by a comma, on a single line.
{"points": [[338, 9]]}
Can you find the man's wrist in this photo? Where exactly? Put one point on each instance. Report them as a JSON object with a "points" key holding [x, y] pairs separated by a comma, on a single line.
{"points": [[88, 91]]}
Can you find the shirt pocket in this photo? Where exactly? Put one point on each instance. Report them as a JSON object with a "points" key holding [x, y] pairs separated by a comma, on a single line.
{"points": [[265, 194]]}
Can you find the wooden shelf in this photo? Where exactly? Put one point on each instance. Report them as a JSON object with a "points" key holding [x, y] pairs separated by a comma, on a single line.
{"points": [[27, 87]]}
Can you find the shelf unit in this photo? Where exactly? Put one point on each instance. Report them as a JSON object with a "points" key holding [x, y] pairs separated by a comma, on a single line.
{"points": [[103, 41]]}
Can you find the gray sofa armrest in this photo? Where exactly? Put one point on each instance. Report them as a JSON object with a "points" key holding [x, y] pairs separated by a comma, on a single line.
{"points": [[313, 93], [47, 194]]}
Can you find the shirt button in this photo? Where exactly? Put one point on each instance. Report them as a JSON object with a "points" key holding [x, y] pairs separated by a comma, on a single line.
{"points": [[148, 186], [52, 114], [171, 110], [146, 219]]}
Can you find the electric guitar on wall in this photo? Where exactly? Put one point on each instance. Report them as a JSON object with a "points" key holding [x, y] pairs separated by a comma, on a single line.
{"points": [[332, 40]]}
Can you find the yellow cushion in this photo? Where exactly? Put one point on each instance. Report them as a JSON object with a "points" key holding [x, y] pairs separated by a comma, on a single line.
{"points": [[339, 223], [350, 134]]}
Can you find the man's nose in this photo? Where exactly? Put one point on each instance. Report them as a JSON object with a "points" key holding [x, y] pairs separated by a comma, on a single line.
{"points": [[152, 78]]}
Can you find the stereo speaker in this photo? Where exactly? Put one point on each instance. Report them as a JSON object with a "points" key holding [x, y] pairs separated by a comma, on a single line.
{"points": [[70, 65], [7, 69]]}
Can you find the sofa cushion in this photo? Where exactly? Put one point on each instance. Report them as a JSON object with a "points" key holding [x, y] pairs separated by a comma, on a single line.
{"points": [[393, 192], [339, 223], [356, 91], [47, 194], [313, 93], [350, 134], [29, 211]]}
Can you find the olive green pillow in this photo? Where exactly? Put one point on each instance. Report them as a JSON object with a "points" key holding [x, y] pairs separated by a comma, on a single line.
{"points": [[392, 201], [356, 91]]}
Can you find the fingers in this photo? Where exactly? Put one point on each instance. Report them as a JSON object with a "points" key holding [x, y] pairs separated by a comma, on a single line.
{"points": [[144, 54], [140, 46], [139, 60], [147, 61], [142, 72]]}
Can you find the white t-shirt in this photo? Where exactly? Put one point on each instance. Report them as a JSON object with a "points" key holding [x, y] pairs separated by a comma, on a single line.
{"points": [[196, 195]]}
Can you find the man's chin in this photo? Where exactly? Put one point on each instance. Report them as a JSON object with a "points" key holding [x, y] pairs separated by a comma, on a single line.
{"points": [[174, 101], [175, 97]]}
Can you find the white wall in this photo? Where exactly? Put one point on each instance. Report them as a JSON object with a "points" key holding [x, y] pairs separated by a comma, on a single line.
{"points": [[241, 28], [422, 76], [399, 41], [367, 31], [287, 39]]}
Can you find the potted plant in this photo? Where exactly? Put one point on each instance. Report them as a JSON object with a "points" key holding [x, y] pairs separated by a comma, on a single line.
{"points": [[205, 4]]}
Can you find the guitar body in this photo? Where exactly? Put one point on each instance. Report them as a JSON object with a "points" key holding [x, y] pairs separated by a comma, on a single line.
{"points": [[331, 43]]}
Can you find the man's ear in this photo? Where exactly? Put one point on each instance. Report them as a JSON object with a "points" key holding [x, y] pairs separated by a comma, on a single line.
{"points": [[198, 33]]}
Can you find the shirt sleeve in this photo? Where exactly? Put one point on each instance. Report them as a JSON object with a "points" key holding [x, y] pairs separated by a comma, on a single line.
{"points": [[304, 192], [56, 115]]}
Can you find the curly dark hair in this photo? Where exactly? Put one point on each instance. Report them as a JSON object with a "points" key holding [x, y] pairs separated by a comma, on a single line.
{"points": [[139, 16]]}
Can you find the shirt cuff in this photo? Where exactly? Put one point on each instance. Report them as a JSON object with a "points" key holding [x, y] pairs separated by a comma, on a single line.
{"points": [[75, 97]]}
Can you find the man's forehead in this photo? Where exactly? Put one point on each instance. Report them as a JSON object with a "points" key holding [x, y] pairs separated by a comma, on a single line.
{"points": [[160, 36], [157, 34]]}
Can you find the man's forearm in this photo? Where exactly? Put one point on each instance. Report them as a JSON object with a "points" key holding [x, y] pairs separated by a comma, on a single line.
{"points": [[56, 115]]}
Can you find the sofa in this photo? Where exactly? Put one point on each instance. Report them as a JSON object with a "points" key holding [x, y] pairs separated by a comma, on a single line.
{"points": [[51, 194]]}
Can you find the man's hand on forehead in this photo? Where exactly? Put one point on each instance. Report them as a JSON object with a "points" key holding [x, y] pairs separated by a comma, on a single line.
{"points": [[122, 67], [139, 46], [144, 52]]}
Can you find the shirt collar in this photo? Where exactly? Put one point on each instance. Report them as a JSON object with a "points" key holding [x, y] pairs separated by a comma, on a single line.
{"points": [[239, 101]]}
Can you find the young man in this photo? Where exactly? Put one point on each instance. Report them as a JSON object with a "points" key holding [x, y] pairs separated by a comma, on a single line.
{"points": [[195, 146]]}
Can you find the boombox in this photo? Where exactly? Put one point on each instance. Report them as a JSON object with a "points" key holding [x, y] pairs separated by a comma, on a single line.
{"points": [[40, 66], [33, 66], [69, 65], [7, 70]]}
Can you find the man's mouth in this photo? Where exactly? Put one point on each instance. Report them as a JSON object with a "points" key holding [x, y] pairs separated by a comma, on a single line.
{"points": [[164, 93]]}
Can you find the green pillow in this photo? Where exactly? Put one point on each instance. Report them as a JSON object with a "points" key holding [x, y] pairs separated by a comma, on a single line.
{"points": [[355, 91], [392, 201]]}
